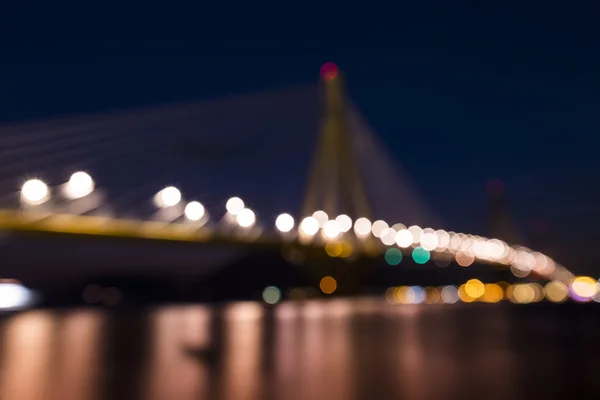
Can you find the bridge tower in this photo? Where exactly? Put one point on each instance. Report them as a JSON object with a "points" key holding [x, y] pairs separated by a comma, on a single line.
{"points": [[335, 184]]}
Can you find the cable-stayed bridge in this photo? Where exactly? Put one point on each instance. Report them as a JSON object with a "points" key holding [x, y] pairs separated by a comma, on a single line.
{"points": [[297, 169]]}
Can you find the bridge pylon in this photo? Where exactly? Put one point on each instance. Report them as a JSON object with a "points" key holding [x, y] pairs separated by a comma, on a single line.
{"points": [[335, 184]]}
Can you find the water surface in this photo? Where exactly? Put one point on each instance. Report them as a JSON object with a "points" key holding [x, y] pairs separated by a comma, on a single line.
{"points": [[341, 349]]}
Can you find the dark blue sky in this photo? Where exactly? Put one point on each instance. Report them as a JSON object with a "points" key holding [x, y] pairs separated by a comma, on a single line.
{"points": [[510, 92]]}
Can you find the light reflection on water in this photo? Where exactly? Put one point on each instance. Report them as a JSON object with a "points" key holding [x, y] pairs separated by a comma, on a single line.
{"points": [[341, 349]]}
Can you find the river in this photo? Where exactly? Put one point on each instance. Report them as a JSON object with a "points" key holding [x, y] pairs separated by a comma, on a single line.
{"points": [[339, 349]]}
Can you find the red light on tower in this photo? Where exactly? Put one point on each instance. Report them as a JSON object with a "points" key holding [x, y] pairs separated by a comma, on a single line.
{"points": [[329, 71]]}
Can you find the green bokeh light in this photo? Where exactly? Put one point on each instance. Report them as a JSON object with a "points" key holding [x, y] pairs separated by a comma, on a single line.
{"points": [[271, 295], [420, 255], [393, 256]]}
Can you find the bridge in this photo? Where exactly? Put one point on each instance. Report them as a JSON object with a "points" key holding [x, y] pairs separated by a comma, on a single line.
{"points": [[226, 173]]}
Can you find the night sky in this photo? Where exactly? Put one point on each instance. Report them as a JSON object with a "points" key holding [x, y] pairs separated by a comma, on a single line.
{"points": [[461, 94]]}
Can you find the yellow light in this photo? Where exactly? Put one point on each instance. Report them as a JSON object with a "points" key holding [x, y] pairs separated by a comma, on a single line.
{"points": [[463, 295], [584, 286], [474, 288], [522, 294], [432, 295], [493, 293], [346, 250], [556, 291], [328, 285], [403, 294], [333, 249]]}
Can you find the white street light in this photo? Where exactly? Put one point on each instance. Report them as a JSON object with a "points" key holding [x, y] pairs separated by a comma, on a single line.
{"points": [[80, 185], [284, 223], [35, 192], [168, 197], [194, 211]]}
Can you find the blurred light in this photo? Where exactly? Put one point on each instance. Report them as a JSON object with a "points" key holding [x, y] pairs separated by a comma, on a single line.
{"points": [[443, 239], [492, 293], [432, 295], [378, 228], [331, 230], [538, 291], [362, 226], [398, 227], [168, 197], [420, 255], [403, 294], [34, 192], [284, 223], [524, 260], [344, 222], [416, 232], [321, 217], [246, 218], [583, 288], [329, 71], [519, 273], [463, 295], [334, 249], [79, 185], [474, 288], [389, 237], [389, 296], [346, 249], [464, 259], [404, 238], [271, 295], [235, 205], [194, 211], [14, 296], [393, 256], [449, 294], [309, 226], [328, 285], [522, 294], [417, 295], [429, 240]]}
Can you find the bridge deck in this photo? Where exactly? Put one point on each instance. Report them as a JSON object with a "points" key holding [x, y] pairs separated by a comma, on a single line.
{"points": [[18, 221]]}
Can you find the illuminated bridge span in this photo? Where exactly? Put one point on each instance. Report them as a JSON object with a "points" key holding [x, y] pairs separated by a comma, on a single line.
{"points": [[229, 172]]}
